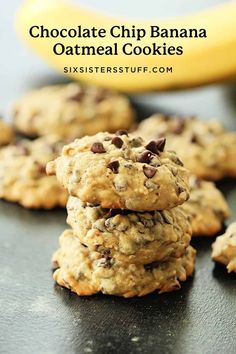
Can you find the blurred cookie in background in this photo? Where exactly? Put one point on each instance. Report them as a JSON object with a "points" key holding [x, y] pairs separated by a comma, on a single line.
{"points": [[206, 148], [207, 208], [72, 110], [23, 177], [224, 248], [6, 133]]}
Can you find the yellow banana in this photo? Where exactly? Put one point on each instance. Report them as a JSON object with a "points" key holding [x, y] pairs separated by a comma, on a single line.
{"points": [[204, 60]]}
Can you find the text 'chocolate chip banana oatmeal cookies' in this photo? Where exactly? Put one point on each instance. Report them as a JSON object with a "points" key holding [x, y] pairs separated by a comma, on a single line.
{"points": [[207, 207], [224, 248], [87, 272], [23, 176], [72, 110], [205, 147], [118, 171], [131, 237], [6, 133]]}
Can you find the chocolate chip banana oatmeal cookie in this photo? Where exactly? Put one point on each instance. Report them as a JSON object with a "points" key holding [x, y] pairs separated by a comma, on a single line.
{"points": [[121, 172], [6, 133], [224, 248], [130, 237], [207, 207], [72, 111], [23, 177], [205, 147], [87, 272]]}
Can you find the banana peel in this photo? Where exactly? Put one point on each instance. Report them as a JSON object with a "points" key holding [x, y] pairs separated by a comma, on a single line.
{"points": [[204, 60]]}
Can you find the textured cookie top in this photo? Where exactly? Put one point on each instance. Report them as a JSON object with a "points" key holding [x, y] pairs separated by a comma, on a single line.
{"points": [[6, 133], [23, 177], [207, 207], [72, 111], [206, 149], [224, 248], [138, 237], [121, 172]]}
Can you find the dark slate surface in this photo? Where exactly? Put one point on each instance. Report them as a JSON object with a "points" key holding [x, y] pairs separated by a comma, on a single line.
{"points": [[37, 316]]}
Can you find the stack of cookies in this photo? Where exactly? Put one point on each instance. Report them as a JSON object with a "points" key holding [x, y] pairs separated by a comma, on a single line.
{"points": [[130, 235]]}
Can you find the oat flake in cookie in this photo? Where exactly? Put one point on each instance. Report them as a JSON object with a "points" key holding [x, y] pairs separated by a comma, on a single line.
{"points": [[118, 171], [130, 237], [23, 176], [205, 147], [87, 272], [6, 133], [207, 207], [71, 111], [224, 248]]}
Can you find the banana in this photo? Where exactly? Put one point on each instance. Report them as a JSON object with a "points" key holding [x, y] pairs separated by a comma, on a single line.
{"points": [[204, 60]]}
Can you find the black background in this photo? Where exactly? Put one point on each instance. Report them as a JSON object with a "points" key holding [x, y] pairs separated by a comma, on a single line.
{"points": [[37, 316]]}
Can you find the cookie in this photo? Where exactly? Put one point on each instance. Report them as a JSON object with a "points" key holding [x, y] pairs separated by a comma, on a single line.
{"points": [[205, 147], [87, 272], [207, 207], [6, 133], [72, 111], [224, 248], [23, 177], [130, 237], [121, 172]]}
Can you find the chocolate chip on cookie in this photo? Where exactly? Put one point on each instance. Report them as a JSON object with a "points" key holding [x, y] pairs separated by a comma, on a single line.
{"points": [[145, 157], [114, 166], [118, 142], [122, 132], [98, 148], [156, 146], [149, 171]]}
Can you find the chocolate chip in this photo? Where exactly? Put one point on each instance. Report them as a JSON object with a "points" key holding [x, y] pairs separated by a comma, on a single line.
{"points": [[161, 144], [152, 146], [220, 214], [156, 145], [166, 118], [114, 166], [97, 148], [121, 132], [118, 142], [101, 95], [145, 157], [179, 189], [105, 252], [194, 139], [77, 97], [178, 126], [149, 171]]}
